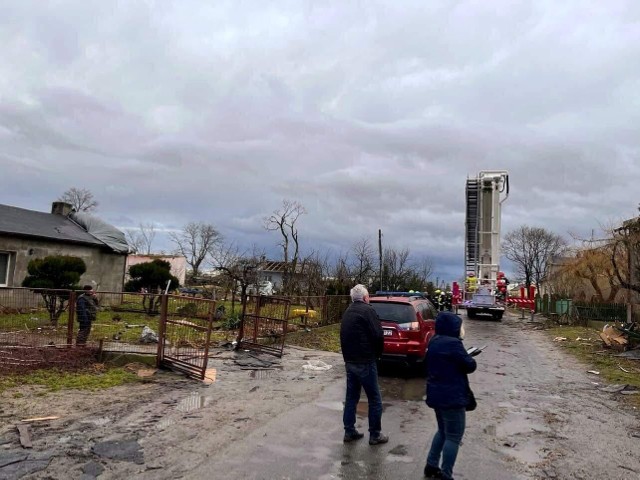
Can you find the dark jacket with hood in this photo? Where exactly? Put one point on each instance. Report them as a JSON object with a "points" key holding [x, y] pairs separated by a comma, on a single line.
{"points": [[448, 364], [86, 309], [361, 335]]}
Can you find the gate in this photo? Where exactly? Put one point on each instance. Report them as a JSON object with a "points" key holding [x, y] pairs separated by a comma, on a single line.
{"points": [[264, 324], [185, 333]]}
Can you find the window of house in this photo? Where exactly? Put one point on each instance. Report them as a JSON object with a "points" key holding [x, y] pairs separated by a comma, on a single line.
{"points": [[4, 269]]}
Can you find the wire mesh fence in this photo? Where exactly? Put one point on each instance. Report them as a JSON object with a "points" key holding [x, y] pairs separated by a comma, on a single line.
{"points": [[34, 318], [185, 333]]}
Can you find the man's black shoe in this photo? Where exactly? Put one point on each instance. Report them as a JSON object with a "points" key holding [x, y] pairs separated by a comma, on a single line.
{"points": [[378, 440], [432, 472], [350, 437]]}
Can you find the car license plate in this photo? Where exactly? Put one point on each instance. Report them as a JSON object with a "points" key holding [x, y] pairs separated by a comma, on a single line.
{"points": [[388, 333]]}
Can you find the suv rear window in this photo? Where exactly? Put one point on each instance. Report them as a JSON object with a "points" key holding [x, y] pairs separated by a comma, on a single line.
{"points": [[395, 312]]}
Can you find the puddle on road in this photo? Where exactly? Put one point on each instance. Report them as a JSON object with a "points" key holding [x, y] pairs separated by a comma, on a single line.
{"points": [[531, 451], [261, 374], [391, 389], [412, 389], [195, 401]]}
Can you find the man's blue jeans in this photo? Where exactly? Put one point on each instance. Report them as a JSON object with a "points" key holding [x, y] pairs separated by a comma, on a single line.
{"points": [[446, 441], [362, 375]]}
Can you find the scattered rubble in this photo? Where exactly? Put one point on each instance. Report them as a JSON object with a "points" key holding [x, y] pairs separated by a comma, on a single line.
{"points": [[612, 337]]}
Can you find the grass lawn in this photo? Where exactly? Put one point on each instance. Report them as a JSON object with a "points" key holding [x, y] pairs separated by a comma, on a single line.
{"points": [[55, 380], [321, 338], [590, 350]]}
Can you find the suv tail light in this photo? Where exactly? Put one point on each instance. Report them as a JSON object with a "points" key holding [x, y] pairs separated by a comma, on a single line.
{"points": [[411, 327]]}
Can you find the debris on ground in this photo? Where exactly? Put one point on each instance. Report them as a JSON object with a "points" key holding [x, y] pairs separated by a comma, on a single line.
{"points": [[124, 450], [148, 336], [140, 369], [594, 372], [39, 419], [614, 388], [560, 339], [25, 436], [316, 366], [624, 389], [613, 337], [630, 354]]}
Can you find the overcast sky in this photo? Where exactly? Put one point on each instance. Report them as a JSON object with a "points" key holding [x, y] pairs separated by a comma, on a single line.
{"points": [[371, 114]]}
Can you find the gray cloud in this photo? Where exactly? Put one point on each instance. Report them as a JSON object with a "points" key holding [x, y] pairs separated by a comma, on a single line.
{"points": [[371, 114]]}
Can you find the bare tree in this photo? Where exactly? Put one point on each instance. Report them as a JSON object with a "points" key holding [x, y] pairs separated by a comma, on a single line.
{"points": [[196, 242], [134, 240], [530, 249], [339, 282], [141, 241], [424, 270], [362, 266], [315, 272], [396, 268], [284, 221], [625, 254], [80, 199], [240, 267]]}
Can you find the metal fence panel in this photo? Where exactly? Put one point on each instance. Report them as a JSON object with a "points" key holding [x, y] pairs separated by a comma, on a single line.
{"points": [[264, 327], [185, 334]]}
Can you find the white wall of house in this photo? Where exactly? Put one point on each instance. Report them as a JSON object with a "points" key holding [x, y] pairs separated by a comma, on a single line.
{"points": [[274, 277]]}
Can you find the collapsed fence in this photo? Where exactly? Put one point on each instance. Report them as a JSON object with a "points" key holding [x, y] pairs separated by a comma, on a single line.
{"points": [[35, 319]]}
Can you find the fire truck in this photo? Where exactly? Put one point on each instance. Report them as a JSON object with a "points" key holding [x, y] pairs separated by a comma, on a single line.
{"points": [[485, 195]]}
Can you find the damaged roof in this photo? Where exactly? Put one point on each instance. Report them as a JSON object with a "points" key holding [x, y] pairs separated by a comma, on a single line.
{"points": [[22, 222]]}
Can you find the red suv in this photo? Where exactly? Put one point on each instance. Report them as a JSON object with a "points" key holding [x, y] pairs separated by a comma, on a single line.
{"points": [[408, 322]]}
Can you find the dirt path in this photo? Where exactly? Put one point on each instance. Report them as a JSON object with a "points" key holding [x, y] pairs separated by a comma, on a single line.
{"points": [[539, 416]]}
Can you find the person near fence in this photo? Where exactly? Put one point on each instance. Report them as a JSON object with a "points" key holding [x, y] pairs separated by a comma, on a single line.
{"points": [[361, 339], [86, 311], [448, 364]]}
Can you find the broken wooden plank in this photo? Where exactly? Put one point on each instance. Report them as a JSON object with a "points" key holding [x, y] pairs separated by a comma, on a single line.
{"points": [[39, 419], [605, 339], [25, 436]]}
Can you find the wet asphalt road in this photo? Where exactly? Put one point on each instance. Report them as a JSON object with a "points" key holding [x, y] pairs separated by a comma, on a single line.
{"points": [[307, 443]]}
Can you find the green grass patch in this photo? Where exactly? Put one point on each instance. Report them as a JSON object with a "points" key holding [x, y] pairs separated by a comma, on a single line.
{"points": [[321, 338], [55, 380], [589, 349]]}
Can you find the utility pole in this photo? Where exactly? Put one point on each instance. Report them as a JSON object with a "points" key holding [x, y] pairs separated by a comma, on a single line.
{"points": [[380, 255]]}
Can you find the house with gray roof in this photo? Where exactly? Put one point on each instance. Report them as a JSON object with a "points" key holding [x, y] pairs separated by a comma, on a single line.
{"points": [[28, 234]]}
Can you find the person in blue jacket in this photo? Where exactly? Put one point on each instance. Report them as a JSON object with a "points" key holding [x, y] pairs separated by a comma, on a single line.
{"points": [[448, 364]]}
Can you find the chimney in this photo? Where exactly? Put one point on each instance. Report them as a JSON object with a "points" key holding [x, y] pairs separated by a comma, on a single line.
{"points": [[61, 208]]}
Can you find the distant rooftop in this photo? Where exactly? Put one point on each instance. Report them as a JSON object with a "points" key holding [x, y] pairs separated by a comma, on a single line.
{"points": [[30, 223]]}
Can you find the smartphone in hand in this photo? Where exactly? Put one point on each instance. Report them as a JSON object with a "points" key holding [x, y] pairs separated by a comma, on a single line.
{"points": [[473, 351]]}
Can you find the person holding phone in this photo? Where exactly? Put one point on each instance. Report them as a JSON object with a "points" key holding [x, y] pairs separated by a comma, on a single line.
{"points": [[448, 365]]}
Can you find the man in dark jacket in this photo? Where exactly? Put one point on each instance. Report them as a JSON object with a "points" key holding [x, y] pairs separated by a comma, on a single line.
{"points": [[86, 312], [361, 339], [448, 364]]}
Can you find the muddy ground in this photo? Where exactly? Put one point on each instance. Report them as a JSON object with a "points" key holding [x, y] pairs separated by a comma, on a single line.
{"points": [[540, 415]]}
